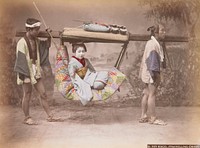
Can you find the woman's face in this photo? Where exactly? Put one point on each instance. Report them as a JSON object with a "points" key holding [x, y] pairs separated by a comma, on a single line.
{"points": [[80, 52]]}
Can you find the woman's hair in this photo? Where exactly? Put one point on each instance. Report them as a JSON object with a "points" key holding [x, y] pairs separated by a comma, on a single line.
{"points": [[76, 45]]}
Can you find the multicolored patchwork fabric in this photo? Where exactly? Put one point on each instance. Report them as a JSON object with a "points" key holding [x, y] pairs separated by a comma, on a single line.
{"points": [[64, 83]]}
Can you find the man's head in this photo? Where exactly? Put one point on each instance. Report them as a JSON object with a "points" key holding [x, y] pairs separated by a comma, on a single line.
{"points": [[33, 26], [79, 49], [158, 31]]}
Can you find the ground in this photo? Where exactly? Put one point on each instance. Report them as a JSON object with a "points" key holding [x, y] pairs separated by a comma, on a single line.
{"points": [[99, 124], [110, 124]]}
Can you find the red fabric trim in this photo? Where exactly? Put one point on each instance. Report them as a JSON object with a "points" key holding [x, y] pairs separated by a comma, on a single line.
{"points": [[82, 61]]}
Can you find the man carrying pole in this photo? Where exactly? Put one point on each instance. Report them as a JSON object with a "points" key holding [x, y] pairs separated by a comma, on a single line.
{"points": [[28, 67], [150, 74]]}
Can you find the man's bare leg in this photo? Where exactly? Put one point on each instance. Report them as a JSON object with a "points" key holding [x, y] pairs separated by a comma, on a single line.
{"points": [[43, 97], [144, 103], [39, 86], [151, 100], [27, 90]]}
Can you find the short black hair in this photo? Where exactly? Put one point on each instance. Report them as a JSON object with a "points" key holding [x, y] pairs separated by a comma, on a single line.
{"points": [[154, 29], [31, 21]]}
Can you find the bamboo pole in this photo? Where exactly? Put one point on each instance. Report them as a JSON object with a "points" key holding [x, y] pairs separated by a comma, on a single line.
{"points": [[132, 37], [42, 34], [168, 38]]}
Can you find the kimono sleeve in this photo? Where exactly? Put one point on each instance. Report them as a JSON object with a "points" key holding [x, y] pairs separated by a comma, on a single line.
{"points": [[72, 69], [44, 46], [153, 62], [21, 65]]}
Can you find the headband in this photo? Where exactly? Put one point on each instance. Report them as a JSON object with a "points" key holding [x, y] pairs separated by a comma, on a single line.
{"points": [[38, 24]]}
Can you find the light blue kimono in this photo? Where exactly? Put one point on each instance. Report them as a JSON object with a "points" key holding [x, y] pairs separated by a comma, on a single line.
{"points": [[92, 79]]}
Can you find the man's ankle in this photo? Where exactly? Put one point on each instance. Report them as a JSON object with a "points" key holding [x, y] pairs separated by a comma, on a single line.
{"points": [[27, 117]]}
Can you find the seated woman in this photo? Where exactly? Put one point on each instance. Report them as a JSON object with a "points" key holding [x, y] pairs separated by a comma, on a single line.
{"points": [[78, 78], [83, 75]]}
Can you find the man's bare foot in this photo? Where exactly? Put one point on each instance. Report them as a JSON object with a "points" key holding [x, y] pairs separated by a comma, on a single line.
{"points": [[30, 121], [156, 121], [54, 119]]}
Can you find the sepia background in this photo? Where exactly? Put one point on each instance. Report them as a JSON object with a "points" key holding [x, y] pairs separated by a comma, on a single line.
{"points": [[180, 80]]}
